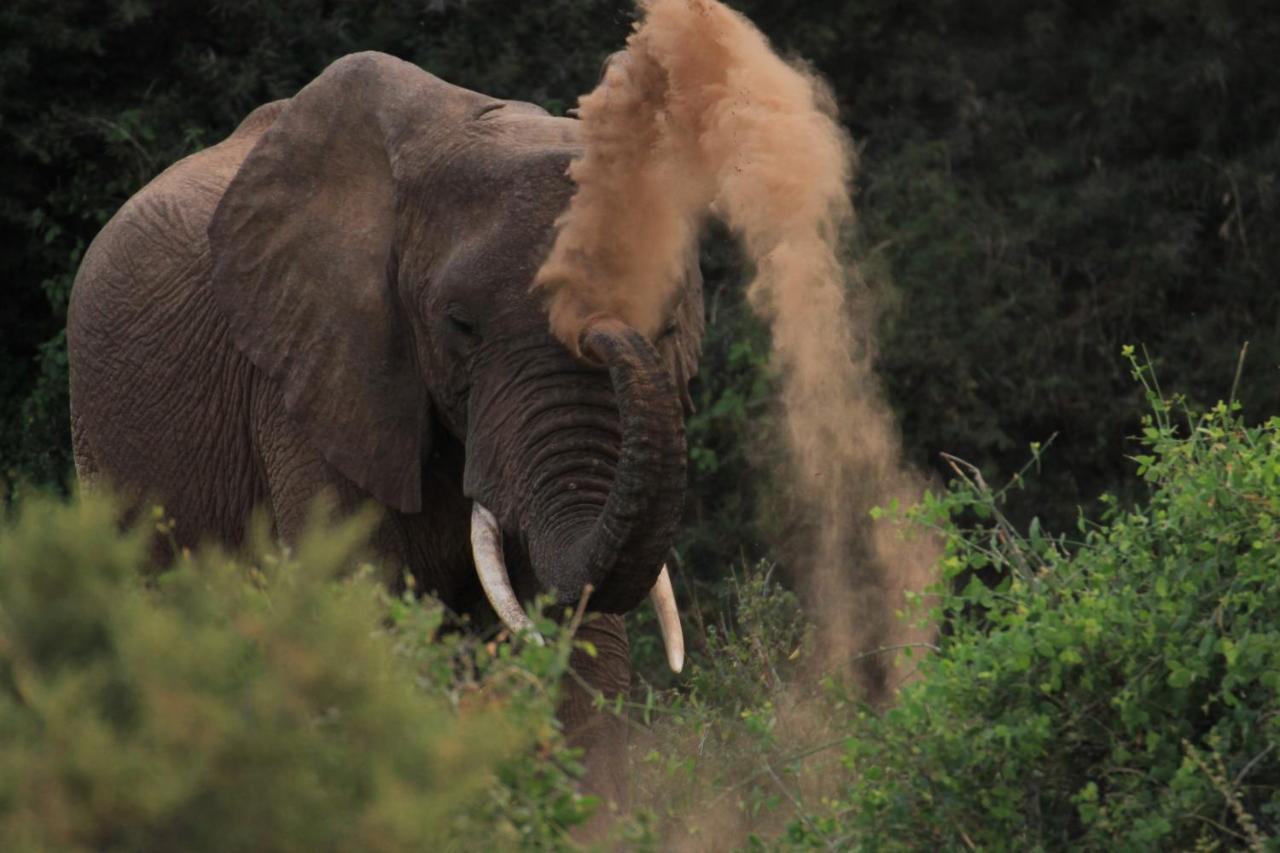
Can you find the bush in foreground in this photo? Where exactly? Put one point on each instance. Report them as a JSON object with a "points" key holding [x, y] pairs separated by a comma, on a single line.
{"points": [[1121, 690], [1114, 689], [282, 704]]}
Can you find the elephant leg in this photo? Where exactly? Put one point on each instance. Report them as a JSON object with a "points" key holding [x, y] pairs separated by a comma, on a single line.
{"points": [[433, 545], [297, 476], [82, 452], [600, 734]]}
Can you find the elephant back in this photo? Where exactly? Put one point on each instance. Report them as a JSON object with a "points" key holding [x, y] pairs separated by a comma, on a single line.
{"points": [[152, 383]]}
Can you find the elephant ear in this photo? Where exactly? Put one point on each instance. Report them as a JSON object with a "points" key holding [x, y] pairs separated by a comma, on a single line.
{"points": [[682, 348], [304, 267]]}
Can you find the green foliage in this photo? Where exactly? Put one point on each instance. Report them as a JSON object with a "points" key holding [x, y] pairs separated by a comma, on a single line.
{"points": [[1048, 182], [729, 433], [1116, 690], [1118, 687], [233, 705], [730, 753], [1042, 182]]}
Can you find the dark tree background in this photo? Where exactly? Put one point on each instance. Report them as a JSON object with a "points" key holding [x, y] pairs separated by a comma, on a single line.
{"points": [[1042, 182]]}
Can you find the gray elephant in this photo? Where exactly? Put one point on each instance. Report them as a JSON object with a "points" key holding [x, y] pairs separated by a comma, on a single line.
{"points": [[336, 299]]}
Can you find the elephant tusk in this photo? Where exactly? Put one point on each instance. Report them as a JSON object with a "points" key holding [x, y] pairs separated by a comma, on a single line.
{"points": [[664, 601], [486, 550]]}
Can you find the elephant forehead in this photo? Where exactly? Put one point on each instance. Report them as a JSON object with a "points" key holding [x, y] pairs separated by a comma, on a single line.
{"points": [[492, 203], [534, 178], [520, 124], [504, 254]]}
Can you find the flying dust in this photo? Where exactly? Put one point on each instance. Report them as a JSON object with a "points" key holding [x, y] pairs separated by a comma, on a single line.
{"points": [[699, 116]]}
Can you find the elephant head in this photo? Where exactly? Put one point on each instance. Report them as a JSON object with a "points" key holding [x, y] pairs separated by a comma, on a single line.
{"points": [[374, 255]]}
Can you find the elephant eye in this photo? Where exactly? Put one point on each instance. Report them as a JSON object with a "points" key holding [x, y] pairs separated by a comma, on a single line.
{"points": [[461, 323], [667, 331]]}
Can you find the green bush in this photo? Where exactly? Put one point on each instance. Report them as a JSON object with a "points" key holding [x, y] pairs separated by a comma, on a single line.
{"points": [[749, 733], [282, 703], [1119, 690]]}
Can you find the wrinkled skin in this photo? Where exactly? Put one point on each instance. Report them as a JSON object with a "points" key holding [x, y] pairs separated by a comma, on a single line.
{"points": [[337, 299]]}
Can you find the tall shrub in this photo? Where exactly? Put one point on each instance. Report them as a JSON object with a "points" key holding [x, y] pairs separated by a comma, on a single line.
{"points": [[277, 703]]}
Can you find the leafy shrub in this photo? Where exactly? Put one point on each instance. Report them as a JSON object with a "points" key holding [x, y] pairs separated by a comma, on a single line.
{"points": [[726, 754], [283, 703], [1117, 690]]}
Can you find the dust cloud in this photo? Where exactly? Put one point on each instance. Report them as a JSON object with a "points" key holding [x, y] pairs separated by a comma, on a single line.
{"points": [[697, 117]]}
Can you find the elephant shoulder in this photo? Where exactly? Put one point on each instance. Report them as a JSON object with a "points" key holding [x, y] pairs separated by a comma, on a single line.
{"points": [[257, 122], [199, 180], [161, 229], [152, 257]]}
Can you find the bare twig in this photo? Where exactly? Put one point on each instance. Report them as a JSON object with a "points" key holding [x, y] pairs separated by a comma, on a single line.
{"points": [[1235, 383], [1244, 771], [1218, 778], [796, 804], [894, 648], [1006, 530], [587, 589]]}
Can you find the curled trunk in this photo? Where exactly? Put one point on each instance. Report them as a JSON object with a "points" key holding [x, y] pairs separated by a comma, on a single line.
{"points": [[620, 548], [583, 467]]}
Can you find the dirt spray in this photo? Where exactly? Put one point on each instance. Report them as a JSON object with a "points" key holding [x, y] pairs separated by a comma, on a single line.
{"points": [[697, 117]]}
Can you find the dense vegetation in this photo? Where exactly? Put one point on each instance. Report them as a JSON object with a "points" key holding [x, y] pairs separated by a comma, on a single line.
{"points": [[1041, 183], [1115, 687], [254, 705]]}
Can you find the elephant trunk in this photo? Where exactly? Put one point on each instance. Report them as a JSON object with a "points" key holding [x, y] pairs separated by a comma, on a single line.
{"points": [[583, 469], [618, 548]]}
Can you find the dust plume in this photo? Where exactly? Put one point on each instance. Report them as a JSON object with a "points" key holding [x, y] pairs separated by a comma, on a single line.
{"points": [[699, 116], [643, 191]]}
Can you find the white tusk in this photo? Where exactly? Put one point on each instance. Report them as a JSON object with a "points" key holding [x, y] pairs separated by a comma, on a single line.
{"points": [[664, 601], [486, 549]]}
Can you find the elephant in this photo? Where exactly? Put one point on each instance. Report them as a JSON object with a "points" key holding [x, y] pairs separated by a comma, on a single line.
{"points": [[336, 300]]}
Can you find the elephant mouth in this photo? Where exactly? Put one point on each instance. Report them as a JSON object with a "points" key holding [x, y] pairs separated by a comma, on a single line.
{"points": [[592, 480], [486, 549]]}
